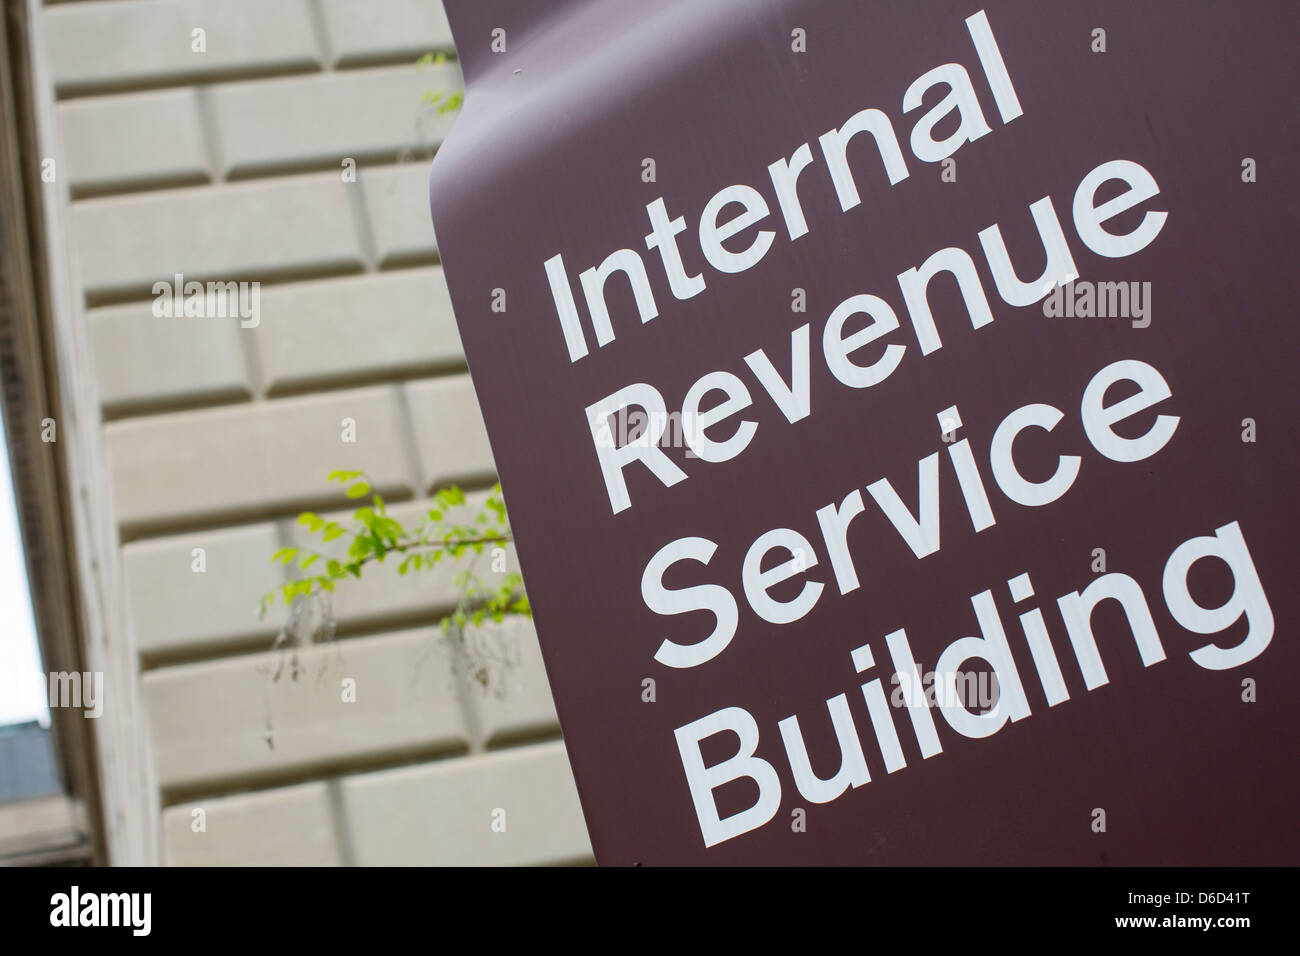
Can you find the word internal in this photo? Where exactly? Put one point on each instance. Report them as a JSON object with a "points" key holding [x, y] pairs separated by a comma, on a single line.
{"points": [[784, 174]]}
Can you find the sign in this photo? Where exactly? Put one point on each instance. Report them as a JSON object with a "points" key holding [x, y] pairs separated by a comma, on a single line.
{"points": [[893, 403]]}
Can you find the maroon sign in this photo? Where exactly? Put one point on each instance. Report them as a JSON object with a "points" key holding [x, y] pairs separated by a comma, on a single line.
{"points": [[892, 401]]}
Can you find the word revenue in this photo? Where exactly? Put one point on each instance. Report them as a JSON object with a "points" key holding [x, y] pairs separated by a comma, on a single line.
{"points": [[859, 341]]}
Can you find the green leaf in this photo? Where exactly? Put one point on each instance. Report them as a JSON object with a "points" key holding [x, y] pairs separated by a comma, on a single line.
{"points": [[344, 476], [450, 496], [359, 490], [310, 520], [284, 555]]}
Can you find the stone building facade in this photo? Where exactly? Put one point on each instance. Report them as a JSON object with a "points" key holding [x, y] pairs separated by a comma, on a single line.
{"points": [[283, 142]]}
